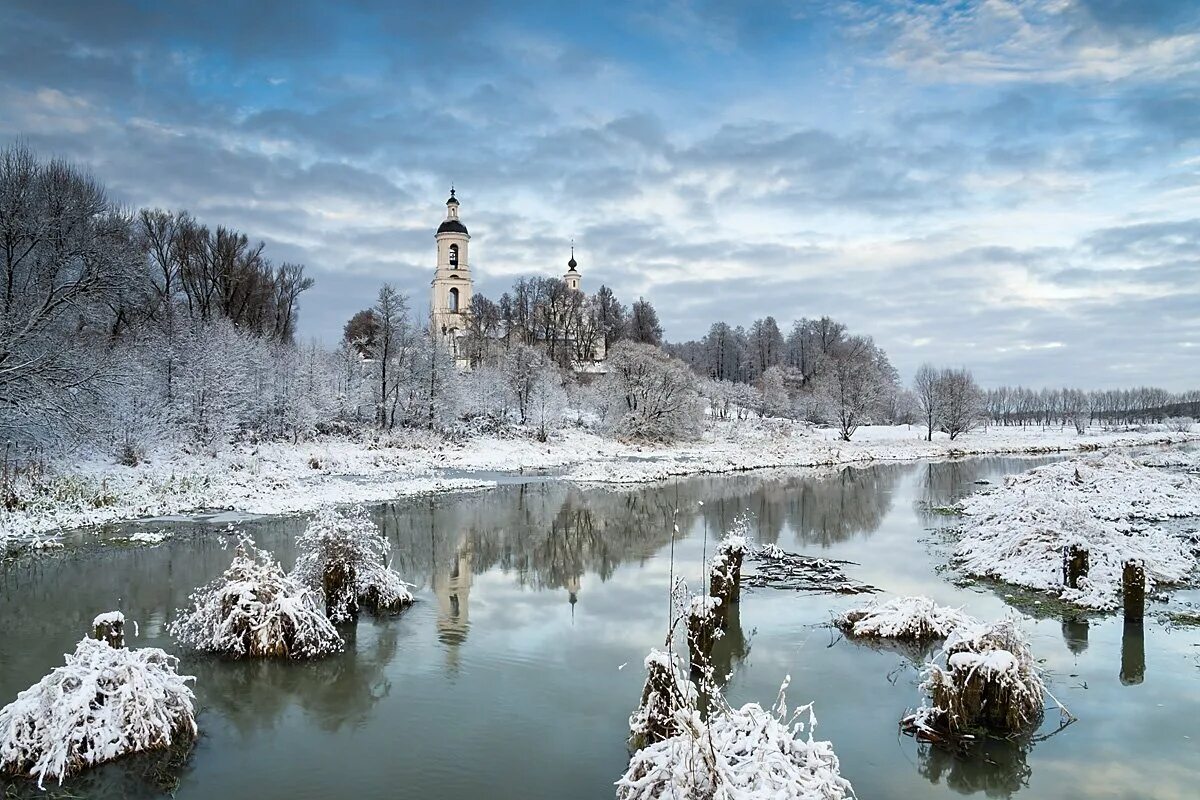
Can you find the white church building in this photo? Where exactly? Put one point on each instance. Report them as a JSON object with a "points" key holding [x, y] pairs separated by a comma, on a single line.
{"points": [[452, 286]]}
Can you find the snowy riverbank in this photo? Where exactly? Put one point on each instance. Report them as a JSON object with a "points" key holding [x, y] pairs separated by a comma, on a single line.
{"points": [[278, 478]]}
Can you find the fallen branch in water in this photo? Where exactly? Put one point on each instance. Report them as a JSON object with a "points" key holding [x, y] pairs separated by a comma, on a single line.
{"points": [[776, 568]]}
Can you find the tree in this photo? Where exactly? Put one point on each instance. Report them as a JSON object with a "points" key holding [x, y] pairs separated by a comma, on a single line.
{"points": [[67, 256], [521, 367], [643, 324], [766, 346], [361, 330], [649, 395], [851, 388], [392, 339], [775, 400], [962, 405], [611, 316], [927, 389]]}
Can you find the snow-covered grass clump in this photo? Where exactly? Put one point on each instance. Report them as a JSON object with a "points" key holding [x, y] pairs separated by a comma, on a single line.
{"points": [[104, 703], [905, 618], [747, 753], [988, 682], [345, 557], [255, 610], [1019, 532]]}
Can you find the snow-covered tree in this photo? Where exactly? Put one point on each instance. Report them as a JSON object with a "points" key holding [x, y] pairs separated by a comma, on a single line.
{"points": [[961, 402], [649, 395], [775, 400], [345, 558], [928, 390], [852, 386]]}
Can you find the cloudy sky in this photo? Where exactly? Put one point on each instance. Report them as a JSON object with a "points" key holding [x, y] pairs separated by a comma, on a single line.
{"points": [[1013, 185]]}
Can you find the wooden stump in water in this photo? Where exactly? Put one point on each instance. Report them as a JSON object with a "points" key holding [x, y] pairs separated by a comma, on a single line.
{"points": [[702, 630], [110, 628], [665, 692], [1075, 565], [1133, 589], [338, 583], [726, 581]]}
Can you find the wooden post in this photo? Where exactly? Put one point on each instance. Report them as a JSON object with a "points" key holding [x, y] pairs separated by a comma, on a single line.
{"points": [[726, 581], [702, 629], [110, 628], [1133, 588], [1075, 565]]}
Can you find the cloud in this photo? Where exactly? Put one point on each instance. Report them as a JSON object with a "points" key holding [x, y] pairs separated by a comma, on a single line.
{"points": [[968, 182]]}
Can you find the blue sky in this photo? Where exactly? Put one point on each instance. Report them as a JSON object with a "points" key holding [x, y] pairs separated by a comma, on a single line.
{"points": [[1013, 185]]}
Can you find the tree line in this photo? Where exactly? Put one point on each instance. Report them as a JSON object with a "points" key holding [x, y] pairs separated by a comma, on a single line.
{"points": [[113, 320]]}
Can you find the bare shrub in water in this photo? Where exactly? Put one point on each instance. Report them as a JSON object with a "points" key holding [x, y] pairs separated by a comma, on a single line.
{"points": [[345, 557], [254, 610], [905, 618]]}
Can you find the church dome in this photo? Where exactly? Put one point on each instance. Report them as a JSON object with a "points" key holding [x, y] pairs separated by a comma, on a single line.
{"points": [[572, 264], [452, 226], [453, 200]]}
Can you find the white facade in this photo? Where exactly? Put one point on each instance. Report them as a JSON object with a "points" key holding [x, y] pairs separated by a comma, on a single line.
{"points": [[451, 288]]}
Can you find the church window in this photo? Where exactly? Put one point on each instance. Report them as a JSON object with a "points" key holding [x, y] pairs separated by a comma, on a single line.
{"points": [[454, 255], [454, 299]]}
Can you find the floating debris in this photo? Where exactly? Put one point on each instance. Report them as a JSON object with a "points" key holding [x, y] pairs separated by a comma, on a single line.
{"points": [[776, 568]]}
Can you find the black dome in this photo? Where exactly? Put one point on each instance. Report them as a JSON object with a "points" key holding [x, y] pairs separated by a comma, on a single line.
{"points": [[452, 226], [572, 264]]}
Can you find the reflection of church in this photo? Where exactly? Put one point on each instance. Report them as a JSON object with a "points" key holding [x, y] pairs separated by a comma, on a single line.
{"points": [[453, 593], [452, 287]]}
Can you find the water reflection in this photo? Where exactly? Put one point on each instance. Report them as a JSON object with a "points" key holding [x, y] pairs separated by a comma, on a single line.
{"points": [[1075, 633], [1133, 654], [996, 767]]}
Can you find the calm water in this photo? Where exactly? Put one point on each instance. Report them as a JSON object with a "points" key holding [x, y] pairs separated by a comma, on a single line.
{"points": [[504, 681]]}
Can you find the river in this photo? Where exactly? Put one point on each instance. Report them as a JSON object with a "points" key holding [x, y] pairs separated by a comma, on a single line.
{"points": [[514, 674]]}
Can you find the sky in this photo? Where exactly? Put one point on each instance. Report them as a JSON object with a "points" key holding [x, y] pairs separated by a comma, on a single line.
{"points": [[1009, 185]]}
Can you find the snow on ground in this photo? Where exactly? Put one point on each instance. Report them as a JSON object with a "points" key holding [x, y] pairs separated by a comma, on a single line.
{"points": [[1105, 504], [280, 478]]}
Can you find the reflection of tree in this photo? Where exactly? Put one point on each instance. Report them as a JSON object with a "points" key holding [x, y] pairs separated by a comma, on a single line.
{"points": [[152, 774], [996, 767]]}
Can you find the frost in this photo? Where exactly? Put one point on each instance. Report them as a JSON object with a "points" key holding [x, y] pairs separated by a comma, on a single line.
{"points": [[345, 557], [1019, 531], [255, 610], [908, 618], [103, 704]]}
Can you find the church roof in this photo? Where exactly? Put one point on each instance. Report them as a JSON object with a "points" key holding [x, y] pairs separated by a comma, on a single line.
{"points": [[453, 199], [452, 226]]}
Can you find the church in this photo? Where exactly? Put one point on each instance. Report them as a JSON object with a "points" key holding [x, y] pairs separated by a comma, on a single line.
{"points": [[452, 289]]}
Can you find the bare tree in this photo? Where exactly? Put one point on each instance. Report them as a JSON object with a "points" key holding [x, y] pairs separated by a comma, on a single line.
{"points": [[961, 405], [649, 395], [927, 388], [643, 324], [851, 388]]}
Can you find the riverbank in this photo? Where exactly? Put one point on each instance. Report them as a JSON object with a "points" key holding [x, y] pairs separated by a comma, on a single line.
{"points": [[281, 478]]}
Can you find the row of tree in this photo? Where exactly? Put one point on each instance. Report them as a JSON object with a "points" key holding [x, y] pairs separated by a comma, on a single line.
{"points": [[1019, 405], [112, 320]]}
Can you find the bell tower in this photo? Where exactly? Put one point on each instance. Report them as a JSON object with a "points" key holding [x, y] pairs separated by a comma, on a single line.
{"points": [[572, 277], [451, 288]]}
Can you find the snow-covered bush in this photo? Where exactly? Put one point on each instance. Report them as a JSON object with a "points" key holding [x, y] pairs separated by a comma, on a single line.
{"points": [[345, 558], [1180, 424], [907, 618], [747, 753], [254, 610], [1019, 532], [987, 682], [104, 703], [648, 395]]}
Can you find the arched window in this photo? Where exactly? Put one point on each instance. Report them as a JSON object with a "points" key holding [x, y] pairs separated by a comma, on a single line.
{"points": [[454, 299], [454, 255]]}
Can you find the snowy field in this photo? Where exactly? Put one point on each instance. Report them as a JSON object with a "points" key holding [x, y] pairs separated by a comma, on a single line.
{"points": [[279, 478]]}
